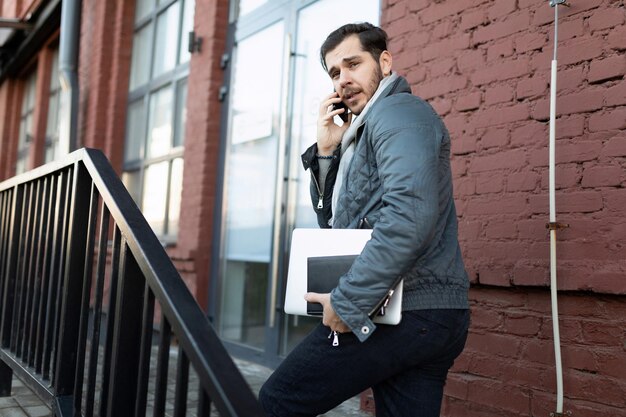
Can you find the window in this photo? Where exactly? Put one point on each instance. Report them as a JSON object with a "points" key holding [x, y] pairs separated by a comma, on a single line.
{"points": [[26, 124], [155, 128], [52, 150]]}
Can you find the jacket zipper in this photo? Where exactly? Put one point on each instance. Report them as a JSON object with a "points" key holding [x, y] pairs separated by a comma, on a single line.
{"points": [[320, 202], [382, 304], [335, 337]]}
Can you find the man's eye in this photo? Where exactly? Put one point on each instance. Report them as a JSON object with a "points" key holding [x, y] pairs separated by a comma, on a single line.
{"points": [[354, 65]]}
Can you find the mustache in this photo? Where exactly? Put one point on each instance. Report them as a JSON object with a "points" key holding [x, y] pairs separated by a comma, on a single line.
{"points": [[347, 92]]}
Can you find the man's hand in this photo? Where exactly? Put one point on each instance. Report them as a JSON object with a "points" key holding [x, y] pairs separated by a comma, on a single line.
{"points": [[330, 318], [328, 133]]}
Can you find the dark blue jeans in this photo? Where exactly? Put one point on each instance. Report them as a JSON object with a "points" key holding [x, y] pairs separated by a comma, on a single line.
{"points": [[405, 365]]}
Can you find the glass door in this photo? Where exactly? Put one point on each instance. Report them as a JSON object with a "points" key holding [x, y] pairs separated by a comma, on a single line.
{"points": [[275, 89]]}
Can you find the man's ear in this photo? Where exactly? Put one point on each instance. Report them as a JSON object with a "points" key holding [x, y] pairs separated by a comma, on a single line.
{"points": [[385, 61]]}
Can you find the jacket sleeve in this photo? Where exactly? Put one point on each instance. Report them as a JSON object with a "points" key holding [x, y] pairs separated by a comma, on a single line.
{"points": [[406, 144], [321, 199]]}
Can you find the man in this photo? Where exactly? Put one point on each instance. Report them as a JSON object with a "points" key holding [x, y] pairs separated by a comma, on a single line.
{"points": [[387, 167]]}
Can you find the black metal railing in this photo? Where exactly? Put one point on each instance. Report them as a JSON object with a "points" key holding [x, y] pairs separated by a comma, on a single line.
{"points": [[83, 283]]}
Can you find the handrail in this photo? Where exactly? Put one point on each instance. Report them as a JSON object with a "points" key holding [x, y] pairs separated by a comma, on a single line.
{"points": [[69, 231]]}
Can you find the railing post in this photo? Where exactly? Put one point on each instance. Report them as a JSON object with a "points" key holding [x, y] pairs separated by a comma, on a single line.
{"points": [[73, 283], [6, 376], [6, 310], [125, 359]]}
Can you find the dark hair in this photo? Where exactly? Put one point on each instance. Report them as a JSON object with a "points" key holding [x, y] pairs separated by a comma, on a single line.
{"points": [[373, 40]]}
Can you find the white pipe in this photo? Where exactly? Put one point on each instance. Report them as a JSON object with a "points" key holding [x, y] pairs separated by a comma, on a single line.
{"points": [[553, 282]]}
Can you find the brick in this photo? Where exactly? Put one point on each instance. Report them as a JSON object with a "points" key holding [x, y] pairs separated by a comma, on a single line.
{"points": [[498, 345], [613, 119], [484, 319], [606, 69], [585, 385], [416, 76], [441, 86], [442, 106], [510, 159], [470, 230], [395, 12], [445, 47], [604, 19], [417, 5], [501, 230], [501, 9], [473, 19], [438, 11], [602, 176], [463, 145], [470, 60], [502, 398], [538, 352], [569, 53], [468, 102], [418, 38], [532, 87], [568, 29], [530, 133], [501, 205], [500, 50], [616, 146], [539, 204], [579, 202], [456, 124], [464, 186], [498, 94], [530, 41], [616, 95], [502, 115], [617, 38], [443, 29], [497, 137], [522, 181], [442, 67], [615, 200], [407, 59], [529, 275], [611, 364], [570, 126], [521, 324], [585, 101], [570, 79], [577, 151], [514, 23], [566, 176], [545, 15], [513, 68], [486, 184], [532, 228]]}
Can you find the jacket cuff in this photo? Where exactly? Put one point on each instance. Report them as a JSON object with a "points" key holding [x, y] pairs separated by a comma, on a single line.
{"points": [[359, 323]]}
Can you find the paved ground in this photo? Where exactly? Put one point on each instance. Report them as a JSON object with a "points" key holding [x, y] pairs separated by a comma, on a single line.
{"points": [[24, 403]]}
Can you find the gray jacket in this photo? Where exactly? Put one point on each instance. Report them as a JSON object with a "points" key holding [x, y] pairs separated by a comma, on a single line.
{"points": [[399, 183]]}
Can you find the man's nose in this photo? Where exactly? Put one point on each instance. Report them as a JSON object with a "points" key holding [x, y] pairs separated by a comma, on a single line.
{"points": [[344, 79]]}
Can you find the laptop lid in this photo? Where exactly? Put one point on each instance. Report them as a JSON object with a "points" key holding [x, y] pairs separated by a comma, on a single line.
{"points": [[309, 243]]}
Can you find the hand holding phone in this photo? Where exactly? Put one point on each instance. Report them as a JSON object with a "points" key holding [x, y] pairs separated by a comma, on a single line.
{"points": [[344, 115], [329, 133]]}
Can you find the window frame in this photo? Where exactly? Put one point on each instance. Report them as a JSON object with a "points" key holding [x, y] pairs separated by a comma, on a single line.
{"points": [[174, 78]]}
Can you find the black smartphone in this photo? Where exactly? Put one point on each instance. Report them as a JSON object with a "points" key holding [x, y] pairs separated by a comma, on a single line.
{"points": [[344, 115]]}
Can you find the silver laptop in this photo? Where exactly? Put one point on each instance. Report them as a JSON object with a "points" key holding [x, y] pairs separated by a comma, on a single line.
{"points": [[308, 243]]}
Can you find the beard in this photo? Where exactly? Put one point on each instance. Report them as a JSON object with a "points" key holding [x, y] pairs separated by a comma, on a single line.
{"points": [[368, 91]]}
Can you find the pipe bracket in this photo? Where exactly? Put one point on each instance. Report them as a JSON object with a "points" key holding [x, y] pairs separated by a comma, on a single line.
{"points": [[565, 414], [559, 2], [556, 226]]}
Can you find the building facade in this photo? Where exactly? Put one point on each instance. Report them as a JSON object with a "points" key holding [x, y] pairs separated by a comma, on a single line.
{"points": [[204, 106]]}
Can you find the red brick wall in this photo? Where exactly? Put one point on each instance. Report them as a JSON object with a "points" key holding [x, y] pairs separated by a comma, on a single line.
{"points": [[485, 67], [193, 252]]}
